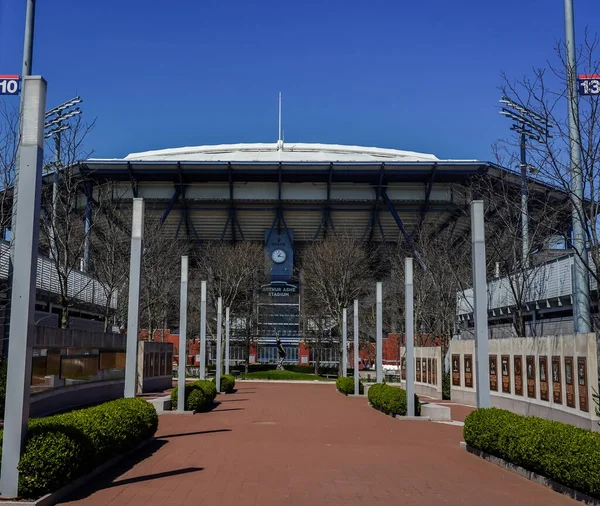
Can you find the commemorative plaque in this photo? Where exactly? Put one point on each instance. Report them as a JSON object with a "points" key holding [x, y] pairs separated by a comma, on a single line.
{"points": [[518, 375], [418, 371], [456, 370], [544, 394], [570, 387], [582, 383], [556, 381], [505, 362], [434, 371], [424, 371], [531, 376], [494, 373], [429, 371], [469, 371]]}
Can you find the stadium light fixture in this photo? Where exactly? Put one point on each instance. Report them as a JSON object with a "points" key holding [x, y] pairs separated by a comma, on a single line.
{"points": [[529, 125]]}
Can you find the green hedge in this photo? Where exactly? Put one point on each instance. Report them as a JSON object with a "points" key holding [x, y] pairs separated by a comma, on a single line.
{"points": [[562, 452], [61, 448], [346, 386], [390, 400], [198, 395], [227, 383]]}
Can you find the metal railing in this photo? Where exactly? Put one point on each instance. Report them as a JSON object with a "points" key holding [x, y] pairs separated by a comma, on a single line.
{"points": [[550, 280]]}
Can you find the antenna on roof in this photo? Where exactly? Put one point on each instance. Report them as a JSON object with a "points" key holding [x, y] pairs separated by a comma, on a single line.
{"points": [[280, 137]]}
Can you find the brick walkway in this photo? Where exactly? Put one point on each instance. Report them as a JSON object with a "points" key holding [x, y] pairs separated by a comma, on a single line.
{"points": [[288, 444]]}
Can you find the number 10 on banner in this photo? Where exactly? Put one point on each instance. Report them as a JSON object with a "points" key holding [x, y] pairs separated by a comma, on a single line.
{"points": [[9, 85], [589, 84]]}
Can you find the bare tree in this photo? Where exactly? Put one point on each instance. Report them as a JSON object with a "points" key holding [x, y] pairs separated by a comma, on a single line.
{"points": [[234, 272], [62, 225], [547, 92], [335, 272]]}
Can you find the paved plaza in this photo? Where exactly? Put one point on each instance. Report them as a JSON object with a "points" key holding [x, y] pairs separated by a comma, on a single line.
{"points": [[299, 444]]}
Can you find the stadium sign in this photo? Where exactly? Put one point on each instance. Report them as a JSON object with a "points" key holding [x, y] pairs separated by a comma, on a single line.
{"points": [[589, 84], [9, 85]]}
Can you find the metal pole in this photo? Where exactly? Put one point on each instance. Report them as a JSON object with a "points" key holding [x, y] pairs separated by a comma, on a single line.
{"points": [[18, 379], [581, 291], [203, 330], [182, 334], [356, 349], [524, 211], [410, 336], [226, 340], [133, 311], [28, 44], [482, 365], [344, 342], [219, 323], [378, 337]]}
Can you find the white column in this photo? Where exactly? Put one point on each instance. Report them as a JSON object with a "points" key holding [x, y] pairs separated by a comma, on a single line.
{"points": [[379, 334], [227, 340], [219, 323], [356, 349], [482, 366], [344, 342], [22, 306], [203, 330], [133, 311], [182, 334], [410, 336]]}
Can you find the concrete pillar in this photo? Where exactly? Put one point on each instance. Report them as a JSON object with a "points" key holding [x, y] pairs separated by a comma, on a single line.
{"points": [[482, 366], [410, 336], [182, 334], [227, 352], [219, 358], [203, 330], [356, 349], [344, 342], [22, 308], [133, 311], [379, 334]]}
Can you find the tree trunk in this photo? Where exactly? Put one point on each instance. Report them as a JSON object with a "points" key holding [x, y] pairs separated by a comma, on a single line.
{"points": [[64, 318]]}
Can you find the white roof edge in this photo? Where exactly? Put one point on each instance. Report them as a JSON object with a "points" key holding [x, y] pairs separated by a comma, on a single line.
{"points": [[291, 152]]}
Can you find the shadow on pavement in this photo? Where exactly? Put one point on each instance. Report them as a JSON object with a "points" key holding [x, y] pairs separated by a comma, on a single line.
{"points": [[169, 436], [228, 409], [156, 476], [235, 400]]}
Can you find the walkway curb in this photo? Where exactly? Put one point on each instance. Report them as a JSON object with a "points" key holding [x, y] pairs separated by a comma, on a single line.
{"points": [[531, 476], [56, 496]]}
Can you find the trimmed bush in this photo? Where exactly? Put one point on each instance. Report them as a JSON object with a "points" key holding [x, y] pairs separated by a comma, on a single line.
{"points": [[390, 400], [346, 386], [562, 452], [197, 400], [227, 383], [61, 448], [209, 389]]}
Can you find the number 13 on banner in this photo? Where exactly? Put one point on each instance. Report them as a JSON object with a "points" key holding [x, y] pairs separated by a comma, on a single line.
{"points": [[589, 84], [9, 85]]}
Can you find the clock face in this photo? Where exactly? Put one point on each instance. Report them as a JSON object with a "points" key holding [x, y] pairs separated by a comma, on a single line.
{"points": [[278, 256]]}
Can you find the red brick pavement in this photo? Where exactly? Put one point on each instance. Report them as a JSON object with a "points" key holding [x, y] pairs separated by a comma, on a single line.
{"points": [[298, 444]]}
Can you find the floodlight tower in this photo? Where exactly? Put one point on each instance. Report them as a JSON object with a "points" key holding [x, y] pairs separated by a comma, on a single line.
{"points": [[529, 125], [53, 127]]}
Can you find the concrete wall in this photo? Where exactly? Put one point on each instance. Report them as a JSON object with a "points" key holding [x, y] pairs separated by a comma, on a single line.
{"points": [[551, 377], [428, 370], [70, 397], [155, 366]]}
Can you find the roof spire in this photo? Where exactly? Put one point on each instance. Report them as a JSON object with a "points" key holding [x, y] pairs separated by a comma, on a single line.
{"points": [[280, 136]]}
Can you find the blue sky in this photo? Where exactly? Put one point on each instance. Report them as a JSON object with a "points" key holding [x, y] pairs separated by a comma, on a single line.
{"points": [[420, 76]]}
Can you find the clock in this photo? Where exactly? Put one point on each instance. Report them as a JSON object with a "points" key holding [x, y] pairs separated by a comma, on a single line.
{"points": [[278, 256]]}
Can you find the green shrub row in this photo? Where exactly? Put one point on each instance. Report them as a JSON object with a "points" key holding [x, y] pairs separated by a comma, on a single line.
{"points": [[562, 452], [390, 400], [61, 448], [346, 386], [199, 395], [227, 383]]}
